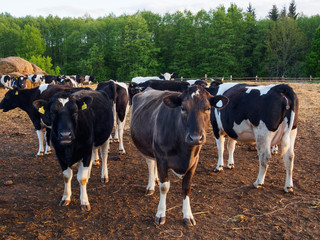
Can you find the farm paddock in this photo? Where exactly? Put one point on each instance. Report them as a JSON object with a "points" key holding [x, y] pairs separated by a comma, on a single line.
{"points": [[225, 205]]}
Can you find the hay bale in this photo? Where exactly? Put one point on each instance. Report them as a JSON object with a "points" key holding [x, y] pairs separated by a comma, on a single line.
{"points": [[16, 66]]}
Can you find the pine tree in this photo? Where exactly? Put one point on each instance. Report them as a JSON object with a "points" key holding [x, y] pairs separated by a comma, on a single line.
{"points": [[274, 13], [292, 10]]}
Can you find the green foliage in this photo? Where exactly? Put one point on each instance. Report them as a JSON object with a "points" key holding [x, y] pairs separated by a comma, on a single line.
{"points": [[30, 42], [313, 58], [45, 64], [218, 42]]}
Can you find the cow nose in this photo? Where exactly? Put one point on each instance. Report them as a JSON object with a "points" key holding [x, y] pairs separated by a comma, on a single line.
{"points": [[195, 139], [65, 136]]}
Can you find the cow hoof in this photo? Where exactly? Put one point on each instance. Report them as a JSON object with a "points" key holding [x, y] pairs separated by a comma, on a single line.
{"points": [[219, 169], [230, 166], [96, 163], [39, 154], [48, 153], [85, 207], [104, 180], [189, 221], [116, 140], [64, 203], [255, 185], [288, 189], [160, 220], [122, 152], [149, 192]]}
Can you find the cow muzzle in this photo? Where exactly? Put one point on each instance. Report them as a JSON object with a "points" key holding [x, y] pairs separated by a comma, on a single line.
{"points": [[65, 137], [195, 139]]}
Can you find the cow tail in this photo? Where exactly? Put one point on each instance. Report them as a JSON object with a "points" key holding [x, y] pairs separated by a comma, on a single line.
{"points": [[290, 100]]}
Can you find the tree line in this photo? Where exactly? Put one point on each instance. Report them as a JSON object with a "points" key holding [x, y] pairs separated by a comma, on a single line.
{"points": [[218, 42]]}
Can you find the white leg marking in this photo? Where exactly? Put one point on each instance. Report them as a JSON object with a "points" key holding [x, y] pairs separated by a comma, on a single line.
{"points": [[220, 146], [186, 209], [104, 156], [231, 147], [288, 158], [153, 175], [120, 128], [67, 177], [161, 213], [95, 154], [40, 138], [263, 141], [82, 176]]}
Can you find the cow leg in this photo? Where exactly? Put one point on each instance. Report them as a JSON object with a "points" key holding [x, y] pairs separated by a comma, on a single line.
{"points": [[83, 177], [220, 146], [264, 153], [288, 158], [231, 147], [40, 138], [67, 177], [274, 149], [104, 155], [120, 130], [47, 140], [153, 176], [95, 153], [162, 207], [115, 119], [186, 188]]}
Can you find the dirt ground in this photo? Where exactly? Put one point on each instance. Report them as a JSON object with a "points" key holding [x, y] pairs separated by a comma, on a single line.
{"points": [[225, 205]]}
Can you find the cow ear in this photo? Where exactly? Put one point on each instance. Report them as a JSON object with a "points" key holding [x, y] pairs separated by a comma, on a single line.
{"points": [[84, 103], [172, 101], [219, 101], [40, 105]]}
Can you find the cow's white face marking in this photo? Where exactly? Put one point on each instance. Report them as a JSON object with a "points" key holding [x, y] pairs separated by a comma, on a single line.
{"points": [[167, 76], [63, 101], [196, 93], [43, 87], [263, 89]]}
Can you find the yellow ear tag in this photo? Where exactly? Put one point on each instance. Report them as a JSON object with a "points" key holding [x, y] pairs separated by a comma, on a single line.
{"points": [[84, 106], [41, 110], [17, 92]]}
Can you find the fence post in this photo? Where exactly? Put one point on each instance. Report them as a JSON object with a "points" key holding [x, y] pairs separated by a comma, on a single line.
{"points": [[310, 78], [256, 78], [205, 77], [181, 78], [282, 78], [230, 78]]}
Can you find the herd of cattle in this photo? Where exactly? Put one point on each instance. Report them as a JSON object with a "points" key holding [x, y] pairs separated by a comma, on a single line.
{"points": [[169, 122], [32, 80]]}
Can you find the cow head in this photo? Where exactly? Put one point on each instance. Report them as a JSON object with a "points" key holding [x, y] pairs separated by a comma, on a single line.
{"points": [[6, 81], [195, 106], [166, 76], [62, 114], [11, 100]]}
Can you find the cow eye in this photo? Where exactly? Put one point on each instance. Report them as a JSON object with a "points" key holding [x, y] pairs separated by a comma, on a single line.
{"points": [[183, 110]]}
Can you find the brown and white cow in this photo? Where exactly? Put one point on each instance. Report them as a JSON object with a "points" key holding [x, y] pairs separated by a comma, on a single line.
{"points": [[169, 129]]}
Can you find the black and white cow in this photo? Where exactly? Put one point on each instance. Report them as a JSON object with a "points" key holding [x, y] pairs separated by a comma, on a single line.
{"points": [[166, 76], [169, 129], [80, 121], [35, 78], [23, 99], [267, 115], [118, 94], [177, 86], [13, 82]]}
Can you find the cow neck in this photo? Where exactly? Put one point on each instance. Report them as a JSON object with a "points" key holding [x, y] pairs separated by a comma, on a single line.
{"points": [[27, 96]]}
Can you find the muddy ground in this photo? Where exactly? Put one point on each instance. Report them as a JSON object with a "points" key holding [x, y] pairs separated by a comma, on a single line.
{"points": [[225, 205]]}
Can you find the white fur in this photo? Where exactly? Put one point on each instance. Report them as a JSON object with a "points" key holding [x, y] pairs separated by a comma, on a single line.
{"points": [[82, 175], [196, 93], [263, 89], [162, 207], [153, 173], [186, 208], [67, 175], [43, 87], [40, 138], [224, 87], [144, 79], [63, 101], [177, 174]]}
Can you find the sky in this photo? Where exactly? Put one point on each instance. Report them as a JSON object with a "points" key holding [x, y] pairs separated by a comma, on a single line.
{"points": [[101, 8]]}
